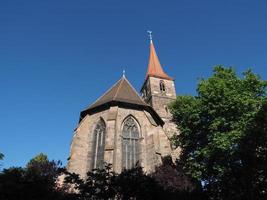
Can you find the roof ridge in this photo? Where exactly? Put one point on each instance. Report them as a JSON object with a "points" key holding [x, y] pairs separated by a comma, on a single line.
{"points": [[116, 94], [135, 91], [103, 94], [121, 91]]}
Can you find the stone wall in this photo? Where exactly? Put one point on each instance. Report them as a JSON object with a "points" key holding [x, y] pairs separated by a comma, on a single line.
{"points": [[154, 142], [157, 99], [80, 160]]}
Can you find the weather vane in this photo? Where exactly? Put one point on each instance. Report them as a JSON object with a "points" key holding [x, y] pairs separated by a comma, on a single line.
{"points": [[123, 73], [150, 35]]}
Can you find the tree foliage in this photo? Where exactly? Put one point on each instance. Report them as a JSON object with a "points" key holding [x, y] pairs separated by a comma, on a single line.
{"points": [[98, 184], [172, 177], [129, 184], [135, 184], [36, 181], [223, 134], [39, 180]]}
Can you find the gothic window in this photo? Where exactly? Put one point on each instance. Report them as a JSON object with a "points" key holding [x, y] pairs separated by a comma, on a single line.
{"points": [[99, 144], [130, 143], [162, 86]]}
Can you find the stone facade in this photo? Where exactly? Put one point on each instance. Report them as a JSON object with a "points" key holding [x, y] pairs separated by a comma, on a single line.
{"points": [[157, 98], [147, 139], [154, 142]]}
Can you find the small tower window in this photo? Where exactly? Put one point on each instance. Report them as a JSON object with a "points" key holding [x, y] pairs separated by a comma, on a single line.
{"points": [[162, 86]]}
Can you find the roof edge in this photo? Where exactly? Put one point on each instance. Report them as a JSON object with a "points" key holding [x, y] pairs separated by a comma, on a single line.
{"points": [[122, 104]]}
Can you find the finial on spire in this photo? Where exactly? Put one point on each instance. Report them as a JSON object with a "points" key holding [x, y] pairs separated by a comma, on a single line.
{"points": [[154, 66], [150, 35], [123, 73]]}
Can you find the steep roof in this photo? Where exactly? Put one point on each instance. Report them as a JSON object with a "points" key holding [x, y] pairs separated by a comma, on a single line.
{"points": [[154, 67], [122, 91]]}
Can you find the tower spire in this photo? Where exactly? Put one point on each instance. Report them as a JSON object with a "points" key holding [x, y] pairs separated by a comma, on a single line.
{"points": [[154, 66], [150, 36]]}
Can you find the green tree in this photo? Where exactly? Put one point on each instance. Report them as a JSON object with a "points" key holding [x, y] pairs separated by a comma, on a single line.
{"points": [[38, 159], [131, 184], [136, 184], [98, 184], [36, 181], [223, 134], [171, 177]]}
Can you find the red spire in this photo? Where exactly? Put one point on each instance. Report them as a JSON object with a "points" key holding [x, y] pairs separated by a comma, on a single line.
{"points": [[154, 66]]}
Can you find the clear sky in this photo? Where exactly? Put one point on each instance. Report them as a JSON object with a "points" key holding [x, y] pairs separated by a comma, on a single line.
{"points": [[58, 56]]}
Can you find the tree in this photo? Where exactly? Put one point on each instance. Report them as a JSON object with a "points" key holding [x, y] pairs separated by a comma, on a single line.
{"points": [[135, 184], [39, 159], [247, 178], [172, 177], [129, 184], [175, 183], [36, 181], [220, 126], [42, 174], [98, 184], [105, 184]]}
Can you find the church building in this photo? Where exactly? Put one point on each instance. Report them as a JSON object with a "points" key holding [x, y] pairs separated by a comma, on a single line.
{"points": [[124, 128]]}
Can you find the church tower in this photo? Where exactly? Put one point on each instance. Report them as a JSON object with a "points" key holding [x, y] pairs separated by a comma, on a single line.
{"points": [[124, 129], [158, 89]]}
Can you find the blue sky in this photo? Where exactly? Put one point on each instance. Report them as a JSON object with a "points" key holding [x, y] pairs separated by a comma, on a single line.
{"points": [[57, 57]]}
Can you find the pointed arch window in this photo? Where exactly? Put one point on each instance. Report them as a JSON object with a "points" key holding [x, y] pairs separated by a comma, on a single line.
{"points": [[130, 143], [162, 86], [99, 144]]}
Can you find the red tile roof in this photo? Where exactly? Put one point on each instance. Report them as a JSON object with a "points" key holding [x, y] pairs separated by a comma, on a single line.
{"points": [[154, 66]]}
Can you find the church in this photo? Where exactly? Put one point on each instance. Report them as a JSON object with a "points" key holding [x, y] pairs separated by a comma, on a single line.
{"points": [[124, 128]]}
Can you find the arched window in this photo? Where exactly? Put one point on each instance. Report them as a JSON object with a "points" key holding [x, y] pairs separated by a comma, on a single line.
{"points": [[99, 144], [162, 86], [130, 143]]}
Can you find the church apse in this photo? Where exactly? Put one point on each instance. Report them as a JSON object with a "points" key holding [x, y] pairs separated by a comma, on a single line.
{"points": [[123, 128]]}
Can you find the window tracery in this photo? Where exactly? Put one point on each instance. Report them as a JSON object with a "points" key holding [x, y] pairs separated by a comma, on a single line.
{"points": [[130, 143], [99, 144]]}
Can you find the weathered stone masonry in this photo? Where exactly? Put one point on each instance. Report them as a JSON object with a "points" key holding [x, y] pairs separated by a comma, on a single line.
{"points": [[147, 140]]}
